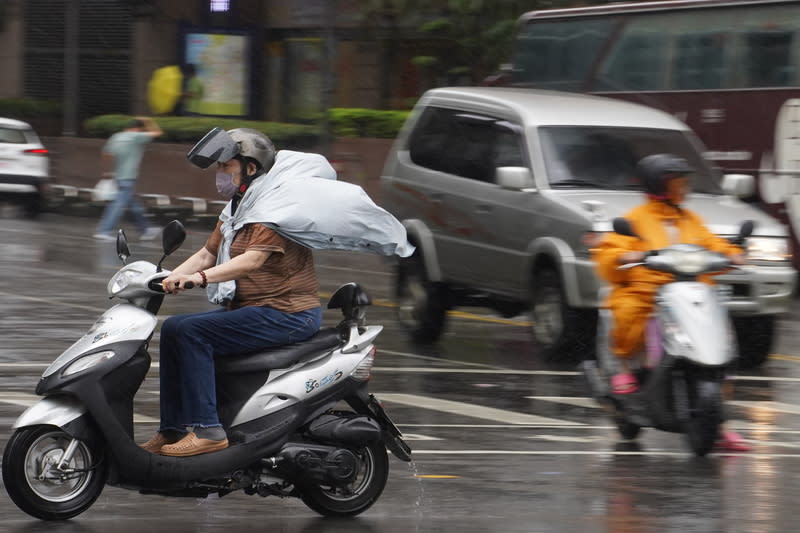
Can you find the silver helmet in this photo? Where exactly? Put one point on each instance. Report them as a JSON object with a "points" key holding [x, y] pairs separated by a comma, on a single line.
{"points": [[219, 146], [255, 145]]}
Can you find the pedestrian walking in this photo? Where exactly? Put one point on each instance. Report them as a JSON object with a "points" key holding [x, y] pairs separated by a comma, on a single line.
{"points": [[125, 149]]}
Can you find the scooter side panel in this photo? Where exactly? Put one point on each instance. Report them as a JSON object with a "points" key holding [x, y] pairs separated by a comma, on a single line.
{"points": [[52, 411], [701, 317], [299, 383], [123, 322]]}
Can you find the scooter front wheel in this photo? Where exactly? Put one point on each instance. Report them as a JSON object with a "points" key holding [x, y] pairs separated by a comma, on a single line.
{"points": [[359, 495], [43, 485], [702, 428]]}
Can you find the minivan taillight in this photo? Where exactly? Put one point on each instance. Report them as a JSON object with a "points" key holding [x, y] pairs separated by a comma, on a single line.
{"points": [[37, 151]]}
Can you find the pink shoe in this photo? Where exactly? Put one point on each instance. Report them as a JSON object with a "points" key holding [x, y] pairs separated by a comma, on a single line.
{"points": [[732, 442], [624, 383]]}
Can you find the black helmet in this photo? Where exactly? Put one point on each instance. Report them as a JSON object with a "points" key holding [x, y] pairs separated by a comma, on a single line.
{"points": [[654, 171]]}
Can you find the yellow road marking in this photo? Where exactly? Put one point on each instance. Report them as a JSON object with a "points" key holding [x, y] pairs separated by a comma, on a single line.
{"points": [[434, 476], [781, 357]]}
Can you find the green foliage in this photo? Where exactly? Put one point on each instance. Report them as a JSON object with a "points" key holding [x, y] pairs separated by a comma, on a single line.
{"points": [[355, 122], [23, 108], [192, 129]]}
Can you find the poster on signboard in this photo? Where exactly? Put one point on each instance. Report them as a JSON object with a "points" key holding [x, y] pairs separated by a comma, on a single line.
{"points": [[221, 61]]}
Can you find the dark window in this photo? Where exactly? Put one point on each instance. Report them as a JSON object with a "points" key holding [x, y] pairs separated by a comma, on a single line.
{"points": [[464, 144], [12, 136], [699, 61], [767, 60], [636, 63], [559, 54], [605, 157]]}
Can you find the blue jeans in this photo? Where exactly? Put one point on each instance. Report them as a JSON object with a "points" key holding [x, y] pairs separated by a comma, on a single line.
{"points": [[125, 199], [189, 344]]}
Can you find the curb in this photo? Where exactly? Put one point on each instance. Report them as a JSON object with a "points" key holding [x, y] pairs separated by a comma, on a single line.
{"points": [[161, 208]]}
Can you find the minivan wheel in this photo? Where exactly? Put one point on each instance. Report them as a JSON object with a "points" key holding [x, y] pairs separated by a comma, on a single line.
{"points": [[421, 304], [755, 335], [559, 330]]}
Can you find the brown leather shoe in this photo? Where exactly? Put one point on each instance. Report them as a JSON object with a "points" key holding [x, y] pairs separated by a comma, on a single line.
{"points": [[192, 445], [155, 443]]}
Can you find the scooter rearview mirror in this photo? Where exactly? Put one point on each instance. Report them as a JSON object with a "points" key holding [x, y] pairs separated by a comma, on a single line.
{"points": [[173, 236], [171, 239], [623, 227], [745, 230], [123, 252]]}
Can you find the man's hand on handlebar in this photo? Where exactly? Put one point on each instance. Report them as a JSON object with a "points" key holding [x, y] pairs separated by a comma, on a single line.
{"points": [[175, 283]]}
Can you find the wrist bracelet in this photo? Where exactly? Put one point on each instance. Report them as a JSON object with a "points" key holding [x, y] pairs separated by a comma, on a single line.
{"points": [[205, 279]]}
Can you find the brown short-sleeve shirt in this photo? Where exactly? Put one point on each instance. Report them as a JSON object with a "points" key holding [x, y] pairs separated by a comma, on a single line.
{"points": [[286, 281]]}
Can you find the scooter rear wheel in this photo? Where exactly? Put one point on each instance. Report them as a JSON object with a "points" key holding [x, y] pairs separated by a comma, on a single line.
{"points": [[360, 494], [35, 484]]}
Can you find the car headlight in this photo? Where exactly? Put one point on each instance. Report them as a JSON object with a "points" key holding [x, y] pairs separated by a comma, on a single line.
{"points": [[87, 361], [768, 249]]}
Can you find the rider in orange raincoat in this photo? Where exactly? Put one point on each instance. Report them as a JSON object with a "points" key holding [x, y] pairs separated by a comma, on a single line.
{"points": [[660, 222]]}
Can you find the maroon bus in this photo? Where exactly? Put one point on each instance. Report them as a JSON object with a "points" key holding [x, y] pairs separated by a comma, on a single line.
{"points": [[730, 69]]}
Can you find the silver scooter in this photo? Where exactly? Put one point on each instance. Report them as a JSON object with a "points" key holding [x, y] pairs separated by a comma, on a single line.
{"points": [[280, 408], [690, 347]]}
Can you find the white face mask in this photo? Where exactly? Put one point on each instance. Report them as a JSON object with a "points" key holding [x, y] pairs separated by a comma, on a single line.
{"points": [[225, 185]]}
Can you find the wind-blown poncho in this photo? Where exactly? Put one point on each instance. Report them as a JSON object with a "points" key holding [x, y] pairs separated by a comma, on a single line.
{"points": [[301, 200]]}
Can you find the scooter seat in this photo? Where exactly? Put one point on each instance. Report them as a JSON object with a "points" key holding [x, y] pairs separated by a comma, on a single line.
{"points": [[280, 356]]}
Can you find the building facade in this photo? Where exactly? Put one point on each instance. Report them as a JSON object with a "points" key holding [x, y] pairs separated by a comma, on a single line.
{"points": [[259, 59]]}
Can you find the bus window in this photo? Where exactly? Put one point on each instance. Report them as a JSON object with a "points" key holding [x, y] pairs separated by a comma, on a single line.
{"points": [[767, 59], [560, 54], [699, 61], [637, 63]]}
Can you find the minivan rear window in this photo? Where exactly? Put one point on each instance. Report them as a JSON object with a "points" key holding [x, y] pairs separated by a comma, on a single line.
{"points": [[12, 136], [605, 157]]}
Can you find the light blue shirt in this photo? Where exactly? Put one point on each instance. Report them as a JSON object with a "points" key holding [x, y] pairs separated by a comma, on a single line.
{"points": [[127, 147]]}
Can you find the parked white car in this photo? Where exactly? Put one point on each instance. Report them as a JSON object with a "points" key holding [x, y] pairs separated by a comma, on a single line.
{"points": [[503, 190], [24, 166]]}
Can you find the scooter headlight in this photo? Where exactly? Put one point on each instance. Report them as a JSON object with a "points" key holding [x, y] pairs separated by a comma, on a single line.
{"points": [[88, 361], [122, 279], [689, 261]]}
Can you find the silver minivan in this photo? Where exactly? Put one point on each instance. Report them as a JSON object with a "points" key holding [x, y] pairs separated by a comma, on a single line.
{"points": [[504, 190]]}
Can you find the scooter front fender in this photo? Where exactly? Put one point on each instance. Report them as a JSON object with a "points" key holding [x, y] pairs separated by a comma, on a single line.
{"points": [[51, 411]]}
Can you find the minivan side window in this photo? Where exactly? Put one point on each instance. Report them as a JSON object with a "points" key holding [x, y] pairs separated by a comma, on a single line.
{"points": [[465, 144]]}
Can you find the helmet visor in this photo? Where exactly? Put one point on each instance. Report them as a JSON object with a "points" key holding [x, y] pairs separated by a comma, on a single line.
{"points": [[215, 146]]}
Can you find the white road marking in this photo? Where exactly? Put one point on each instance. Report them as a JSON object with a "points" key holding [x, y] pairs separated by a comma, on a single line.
{"points": [[568, 400], [417, 436], [471, 410], [567, 438], [601, 453]]}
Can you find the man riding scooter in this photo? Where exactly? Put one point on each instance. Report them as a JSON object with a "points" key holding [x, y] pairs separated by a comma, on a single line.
{"points": [[658, 223]]}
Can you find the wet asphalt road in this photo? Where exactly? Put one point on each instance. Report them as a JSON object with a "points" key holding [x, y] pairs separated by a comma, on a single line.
{"points": [[502, 441]]}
